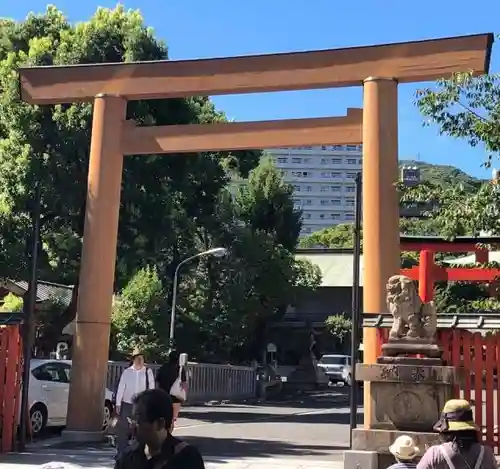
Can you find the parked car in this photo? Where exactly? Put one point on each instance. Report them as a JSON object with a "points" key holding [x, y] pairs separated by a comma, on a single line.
{"points": [[48, 395], [337, 368]]}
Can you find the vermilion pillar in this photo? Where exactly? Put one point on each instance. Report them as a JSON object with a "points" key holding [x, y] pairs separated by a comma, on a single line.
{"points": [[380, 206], [426, 276], [97, 271]]}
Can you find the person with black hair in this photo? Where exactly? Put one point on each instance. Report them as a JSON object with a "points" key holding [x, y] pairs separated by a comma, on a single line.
{"points": [[168, 374], [154, 446], [134, 379], [460, 447]]}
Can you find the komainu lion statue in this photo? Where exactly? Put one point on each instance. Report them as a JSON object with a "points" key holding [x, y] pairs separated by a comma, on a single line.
{"points": [[413, 319]]}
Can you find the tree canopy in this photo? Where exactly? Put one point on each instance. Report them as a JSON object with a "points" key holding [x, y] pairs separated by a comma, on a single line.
{"points": [[464, 107], [172, 206], [225, 304], [341, 236]]}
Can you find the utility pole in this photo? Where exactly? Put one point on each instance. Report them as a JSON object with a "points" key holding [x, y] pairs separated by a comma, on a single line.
{"points": [[355, 326]]}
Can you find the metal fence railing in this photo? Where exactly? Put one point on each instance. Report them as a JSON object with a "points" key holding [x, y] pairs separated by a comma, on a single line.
{"points": [[206, 381]]}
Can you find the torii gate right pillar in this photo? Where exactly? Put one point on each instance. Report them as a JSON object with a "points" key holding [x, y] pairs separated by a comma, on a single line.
{"points": [[380, 206]]}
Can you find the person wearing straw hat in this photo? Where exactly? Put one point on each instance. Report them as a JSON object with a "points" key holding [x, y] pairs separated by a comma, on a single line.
{"points": [[134, 380], [404, 451], [460, 447]]}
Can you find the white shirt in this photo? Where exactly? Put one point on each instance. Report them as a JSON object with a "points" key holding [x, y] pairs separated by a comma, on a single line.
{"points": [[132, 382]]}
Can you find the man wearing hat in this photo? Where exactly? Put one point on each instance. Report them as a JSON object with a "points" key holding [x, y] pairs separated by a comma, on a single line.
{"points": [[404, 451], [134, 380], [460, 447]]}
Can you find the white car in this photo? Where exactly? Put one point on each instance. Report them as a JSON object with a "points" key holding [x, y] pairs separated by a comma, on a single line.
{"points": [[48, 394], [337, 368]]}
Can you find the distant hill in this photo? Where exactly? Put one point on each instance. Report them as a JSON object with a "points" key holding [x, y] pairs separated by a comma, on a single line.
{"points": [[443, 175]]}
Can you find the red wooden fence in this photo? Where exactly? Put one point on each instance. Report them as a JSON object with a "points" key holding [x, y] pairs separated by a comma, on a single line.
{"points": [[479, 356], [10, 385]]}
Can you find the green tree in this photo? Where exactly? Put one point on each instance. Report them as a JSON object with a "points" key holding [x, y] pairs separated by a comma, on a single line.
{"points": [[253, 286], [163, 198], [419, 227], [234, 300], [341, 236], [307, 276], [459, 212], [228, 304], [139, 316], [250, 288], [12, 303], [266, 204], [339, 328], [465, 107], [460, 297], [336, 237]]}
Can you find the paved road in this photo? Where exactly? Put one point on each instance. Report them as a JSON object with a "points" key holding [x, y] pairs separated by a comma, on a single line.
{"points": [[315, 428]]}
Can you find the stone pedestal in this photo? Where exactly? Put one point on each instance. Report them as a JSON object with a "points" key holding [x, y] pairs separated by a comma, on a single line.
{"points": [[379, 441], [406, 396], [361, 459], [397, 347]]}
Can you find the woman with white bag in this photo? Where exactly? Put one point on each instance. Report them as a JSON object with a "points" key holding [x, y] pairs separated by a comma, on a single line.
{"points": [[172, 378]]}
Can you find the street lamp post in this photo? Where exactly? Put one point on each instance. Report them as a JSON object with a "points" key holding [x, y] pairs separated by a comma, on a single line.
{"points": [[215, 252]]}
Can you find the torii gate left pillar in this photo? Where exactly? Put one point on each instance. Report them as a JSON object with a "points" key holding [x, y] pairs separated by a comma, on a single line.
{"points": [[97, 270]]}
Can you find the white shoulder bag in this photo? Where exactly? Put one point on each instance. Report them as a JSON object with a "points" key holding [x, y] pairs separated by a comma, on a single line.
{"points": [[177, 390]]}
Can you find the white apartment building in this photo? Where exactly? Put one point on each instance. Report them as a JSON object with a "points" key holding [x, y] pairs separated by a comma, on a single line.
{"points": [[323, 182]]}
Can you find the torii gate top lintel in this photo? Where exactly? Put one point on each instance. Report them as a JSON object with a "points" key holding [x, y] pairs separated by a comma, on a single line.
{"points": [[407, 62]]}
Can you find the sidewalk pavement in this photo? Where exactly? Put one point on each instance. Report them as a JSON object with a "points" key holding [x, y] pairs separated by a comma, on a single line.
{"points": [[274, 463], [104, 460], [100, 456]]}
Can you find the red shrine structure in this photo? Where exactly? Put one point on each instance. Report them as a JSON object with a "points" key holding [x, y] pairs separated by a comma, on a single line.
{"points": [[427, 273], [10, 377]]}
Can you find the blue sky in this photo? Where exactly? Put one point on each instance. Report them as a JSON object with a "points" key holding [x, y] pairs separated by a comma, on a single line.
{"points": [[215, 28]]}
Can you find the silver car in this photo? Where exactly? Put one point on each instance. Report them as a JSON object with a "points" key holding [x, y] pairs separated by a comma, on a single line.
{"points": [[337, 368]]}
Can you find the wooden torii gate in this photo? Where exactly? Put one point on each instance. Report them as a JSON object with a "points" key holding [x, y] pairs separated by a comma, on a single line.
{"points": [[378, 69]]}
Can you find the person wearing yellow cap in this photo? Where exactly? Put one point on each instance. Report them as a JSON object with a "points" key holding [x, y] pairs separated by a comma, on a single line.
{"points": [[460, 447]]}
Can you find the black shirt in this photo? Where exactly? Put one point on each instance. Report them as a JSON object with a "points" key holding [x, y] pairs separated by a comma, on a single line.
{"points": [[174, 455]]}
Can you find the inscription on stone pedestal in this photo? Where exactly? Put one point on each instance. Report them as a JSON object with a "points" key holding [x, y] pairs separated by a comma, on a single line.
{"points": [[389, 372], [415, 373], [418, 374]]}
